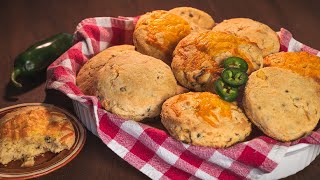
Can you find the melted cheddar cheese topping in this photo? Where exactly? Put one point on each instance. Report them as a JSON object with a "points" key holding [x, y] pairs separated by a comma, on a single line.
{"points": [[34, 123], [165, 30], [209, 107], [207, 103], [300, 62], [211, 44]]}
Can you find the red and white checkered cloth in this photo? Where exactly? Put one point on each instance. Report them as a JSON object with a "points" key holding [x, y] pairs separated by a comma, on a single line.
{"points": [[153, 151]]}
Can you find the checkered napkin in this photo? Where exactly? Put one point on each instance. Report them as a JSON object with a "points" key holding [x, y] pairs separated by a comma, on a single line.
{"points": [[150, 150]]}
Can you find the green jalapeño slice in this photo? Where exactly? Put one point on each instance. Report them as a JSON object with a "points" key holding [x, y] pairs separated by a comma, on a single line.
{"points": [[236, 62], [225, 91], [234, 77]]}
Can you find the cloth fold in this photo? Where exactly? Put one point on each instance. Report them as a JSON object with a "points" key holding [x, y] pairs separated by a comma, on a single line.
{"points": [[150, 150]]}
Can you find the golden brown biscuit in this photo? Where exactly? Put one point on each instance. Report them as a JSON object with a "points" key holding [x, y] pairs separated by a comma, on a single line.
{"points": [[135, 86], [197, 58], [259, 33], [197, 19], [283, 104], [30, 131], [86, 78], [157, 33], [203, 119], [303, 63]]}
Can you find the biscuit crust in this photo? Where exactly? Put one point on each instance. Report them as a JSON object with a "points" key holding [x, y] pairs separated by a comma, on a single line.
{"points": [[86, 78], [157, 33], [272, 95], [30, 131], [197, 58], [203, 119], [257, 32], [198, 20], [135, 86]]}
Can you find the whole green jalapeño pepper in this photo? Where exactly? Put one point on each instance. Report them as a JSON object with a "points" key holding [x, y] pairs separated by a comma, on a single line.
{"points": [[225, 91], [39, 56], [234, 77]]}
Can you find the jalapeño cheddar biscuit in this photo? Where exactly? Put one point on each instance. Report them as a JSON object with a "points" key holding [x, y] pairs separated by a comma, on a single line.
{"points": [[203, 119], [198, 57], [157, 33], [283, 104], [134, 86]]}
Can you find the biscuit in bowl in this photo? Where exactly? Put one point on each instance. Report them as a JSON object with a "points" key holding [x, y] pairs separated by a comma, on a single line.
{"points": [[197, 58], [257, 32], [157, 33], [272, 95], [135, 86], [86, 77], [203, 119], [33, 130], [198, 20], [302, 63]]}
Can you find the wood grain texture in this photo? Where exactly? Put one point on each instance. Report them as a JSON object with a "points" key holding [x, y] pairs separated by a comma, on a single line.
{"points": [[24, 22]]}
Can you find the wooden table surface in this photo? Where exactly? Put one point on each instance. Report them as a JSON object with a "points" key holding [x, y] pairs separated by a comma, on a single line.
{"points": [[27, 21]]}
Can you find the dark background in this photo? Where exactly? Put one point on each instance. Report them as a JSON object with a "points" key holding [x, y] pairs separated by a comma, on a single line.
{"points": [[26, 21]]}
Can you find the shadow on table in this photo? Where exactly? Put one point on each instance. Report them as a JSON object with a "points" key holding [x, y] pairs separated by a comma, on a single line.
{"points": [[58, 99], [28, 84]]}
